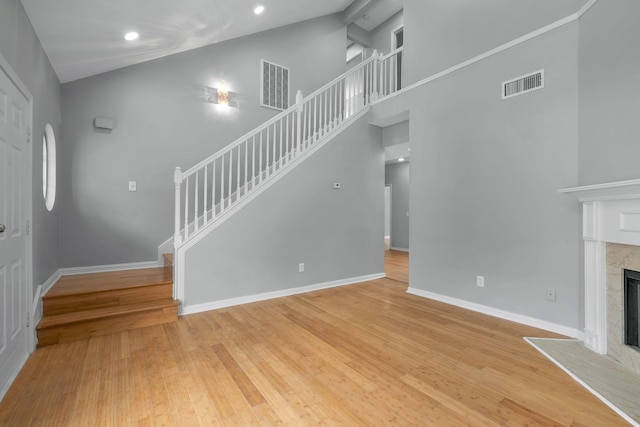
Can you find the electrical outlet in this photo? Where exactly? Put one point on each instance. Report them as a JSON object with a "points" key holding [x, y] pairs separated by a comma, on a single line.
{"points": [[301, 267], [480, 281], [551, 294], [133, 186]]}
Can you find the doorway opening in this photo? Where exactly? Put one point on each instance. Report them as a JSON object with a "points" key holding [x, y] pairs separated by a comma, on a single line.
{"points": [[397, 41]]}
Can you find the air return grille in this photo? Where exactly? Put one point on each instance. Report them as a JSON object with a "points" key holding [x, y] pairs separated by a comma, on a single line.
{"points": [[524, 84], [275, 86]]}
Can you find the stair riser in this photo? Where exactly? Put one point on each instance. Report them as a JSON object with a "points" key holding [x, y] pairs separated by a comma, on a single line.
{"points": [[73, 303], [105, 326]]}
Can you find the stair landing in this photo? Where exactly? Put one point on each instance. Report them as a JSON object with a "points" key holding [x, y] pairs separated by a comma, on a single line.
{"points": [[85, 305]]}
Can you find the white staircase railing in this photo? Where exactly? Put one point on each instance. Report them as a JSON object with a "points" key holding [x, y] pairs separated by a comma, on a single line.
{"points": [[213, 187]]}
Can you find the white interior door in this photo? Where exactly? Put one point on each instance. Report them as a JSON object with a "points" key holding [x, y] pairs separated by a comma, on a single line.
{"points": [[14, 165]]}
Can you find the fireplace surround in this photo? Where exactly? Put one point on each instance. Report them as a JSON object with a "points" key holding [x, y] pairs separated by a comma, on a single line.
{"points": [[611, 234]]}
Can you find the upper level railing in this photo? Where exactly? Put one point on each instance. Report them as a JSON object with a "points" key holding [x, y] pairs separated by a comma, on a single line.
{"points": [[211, 188]]}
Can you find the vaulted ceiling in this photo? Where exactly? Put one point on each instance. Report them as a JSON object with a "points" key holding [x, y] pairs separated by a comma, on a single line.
{"points": [[83, 38]]}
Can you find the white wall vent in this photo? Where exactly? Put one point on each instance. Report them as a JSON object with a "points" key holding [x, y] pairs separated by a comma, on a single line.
{"points": [[524, 84], [274, 86]]}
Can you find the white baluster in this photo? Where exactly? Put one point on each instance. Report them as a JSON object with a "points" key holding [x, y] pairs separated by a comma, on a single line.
{"points": [[282, 139], [205, 216], [230, 178], [305, 129], [238, 173], [260, 166], [299, 111], [196, 195], [254, 162], [273, 150], [325, 121], [186, 209], [285, 156], [177, 181], [222, 184], [246, 166], [213, 190], [313, 124]]}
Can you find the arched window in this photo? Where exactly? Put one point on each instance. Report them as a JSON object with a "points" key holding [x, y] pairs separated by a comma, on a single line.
{"points": [[49, 167]]}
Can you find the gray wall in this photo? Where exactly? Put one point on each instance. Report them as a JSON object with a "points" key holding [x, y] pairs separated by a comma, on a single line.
{"points": [[397, 175], [381, 35], [440, 34], [395, 134], [22, 50], [162, 122], [609, 92], [484, 180], [302, 219]]}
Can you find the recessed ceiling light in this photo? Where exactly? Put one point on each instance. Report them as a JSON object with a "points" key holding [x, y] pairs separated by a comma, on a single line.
{"points": [[258, 10], [401, 159], [131, 36]]}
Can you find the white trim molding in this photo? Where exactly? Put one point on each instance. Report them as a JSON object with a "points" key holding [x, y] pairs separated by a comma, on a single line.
{"points": [[502, 314], [608, 215], [214, 305]]}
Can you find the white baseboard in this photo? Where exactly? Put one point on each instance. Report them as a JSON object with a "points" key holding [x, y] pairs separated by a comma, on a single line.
{"points": [[214, 305], [506, 315], [48, 284], [399, 249]]}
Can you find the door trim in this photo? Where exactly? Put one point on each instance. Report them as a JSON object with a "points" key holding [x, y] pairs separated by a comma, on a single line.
{"points": [[395, 31], [28, 208]]}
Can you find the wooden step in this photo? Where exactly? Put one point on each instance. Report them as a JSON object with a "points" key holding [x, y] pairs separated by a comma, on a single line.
{"points": [[89, 291], [85, 305], [101, 321]]}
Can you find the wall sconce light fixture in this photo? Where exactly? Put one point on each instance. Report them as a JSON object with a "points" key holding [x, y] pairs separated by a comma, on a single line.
{"points": [[223, 94]]}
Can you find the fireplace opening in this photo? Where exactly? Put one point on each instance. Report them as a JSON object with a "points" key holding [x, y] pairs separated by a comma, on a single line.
{"points": [[631, 308]]}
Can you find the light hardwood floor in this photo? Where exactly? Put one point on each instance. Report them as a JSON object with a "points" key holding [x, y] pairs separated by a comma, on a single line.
{"points": [[364, 354]]}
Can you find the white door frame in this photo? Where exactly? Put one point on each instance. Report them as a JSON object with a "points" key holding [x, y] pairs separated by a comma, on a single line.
{"points": [[28, 203], [394, 31]]}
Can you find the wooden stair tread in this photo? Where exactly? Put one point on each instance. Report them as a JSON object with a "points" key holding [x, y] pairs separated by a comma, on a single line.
{"points": [[107, 281], [101, 313]]}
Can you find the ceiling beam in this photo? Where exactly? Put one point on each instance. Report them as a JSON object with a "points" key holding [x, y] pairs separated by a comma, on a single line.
{"points": [[358, 35], [355, 10]]}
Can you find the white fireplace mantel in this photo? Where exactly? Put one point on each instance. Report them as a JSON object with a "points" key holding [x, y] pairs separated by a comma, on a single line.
{"points": [[610, 213]]}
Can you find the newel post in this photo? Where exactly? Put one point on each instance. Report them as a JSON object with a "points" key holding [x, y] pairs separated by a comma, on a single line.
{"points": [[177, 180], [299, 110], [376, 59]]}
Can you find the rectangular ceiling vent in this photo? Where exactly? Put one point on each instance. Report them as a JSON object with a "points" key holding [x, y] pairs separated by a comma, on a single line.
{"points": [[275, 86], [524, 84]]}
